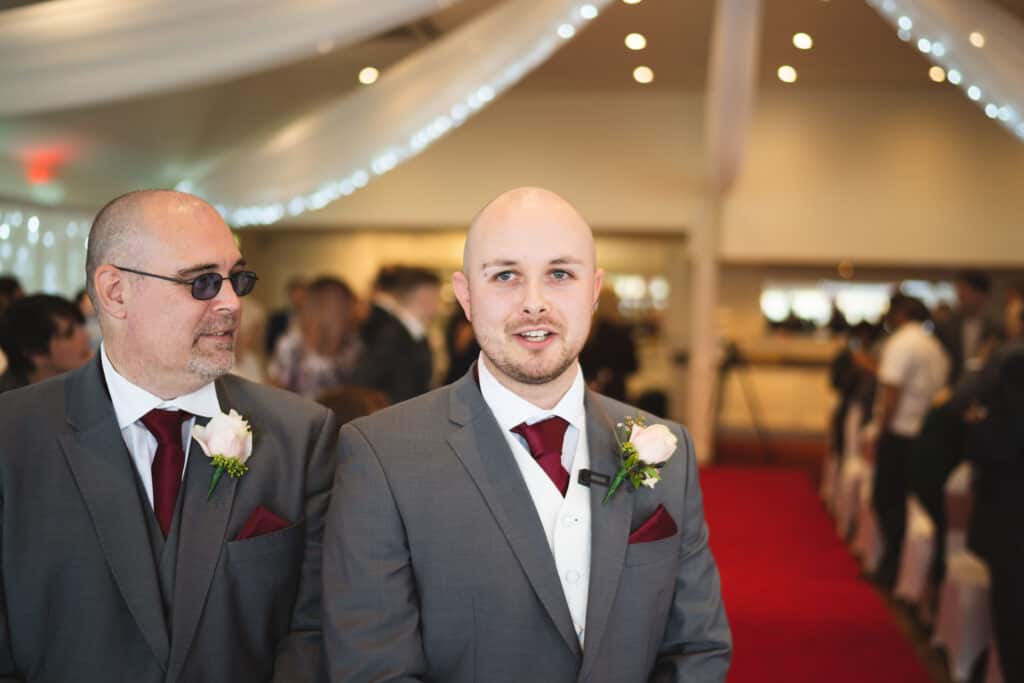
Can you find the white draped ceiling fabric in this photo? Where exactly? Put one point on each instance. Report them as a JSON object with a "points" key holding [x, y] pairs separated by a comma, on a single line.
{"points": [[338, 148], [732, 81], [980, 45], [70, 53]]}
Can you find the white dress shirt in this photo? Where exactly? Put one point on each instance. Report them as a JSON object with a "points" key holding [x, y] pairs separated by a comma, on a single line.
{"points": [[915, 361], [566, 520], [132, 402]]}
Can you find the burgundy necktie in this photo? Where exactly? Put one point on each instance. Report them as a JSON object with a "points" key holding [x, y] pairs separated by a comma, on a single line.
{"points": [[169, 462], [545, 441]]}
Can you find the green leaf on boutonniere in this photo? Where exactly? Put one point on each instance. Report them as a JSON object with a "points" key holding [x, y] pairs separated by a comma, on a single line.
{"points": [[232, 466]]}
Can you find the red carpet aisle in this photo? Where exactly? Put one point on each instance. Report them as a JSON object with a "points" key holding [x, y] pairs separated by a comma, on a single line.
{"points": [[799, 612]]}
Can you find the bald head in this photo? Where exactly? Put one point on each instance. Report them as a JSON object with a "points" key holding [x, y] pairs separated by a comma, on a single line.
{"points": [[521, 208], [119, 230]]}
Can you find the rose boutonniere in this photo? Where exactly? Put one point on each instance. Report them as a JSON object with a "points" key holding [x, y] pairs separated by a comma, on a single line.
{"points": [[644, 450], [227, 440]]}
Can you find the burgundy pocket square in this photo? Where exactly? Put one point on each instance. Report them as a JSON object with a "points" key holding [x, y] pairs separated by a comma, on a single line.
{"points": [[262, 521], [658, 526]]}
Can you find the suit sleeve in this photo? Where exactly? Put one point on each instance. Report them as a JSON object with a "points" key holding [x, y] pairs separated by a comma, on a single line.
{"points": [[7, 667], [299, 655], [697, 645], [371, 607]]}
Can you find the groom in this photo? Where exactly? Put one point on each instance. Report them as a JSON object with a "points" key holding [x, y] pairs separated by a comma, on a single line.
{"points": [[121, 559], [468, 538]]}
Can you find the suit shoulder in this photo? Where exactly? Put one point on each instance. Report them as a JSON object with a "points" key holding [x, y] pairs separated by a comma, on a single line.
{"points": [[410, 417], [47, 398], [280, 404]]}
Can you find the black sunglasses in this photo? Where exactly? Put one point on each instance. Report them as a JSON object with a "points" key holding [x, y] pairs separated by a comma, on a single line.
{"points": [[207, 285]]}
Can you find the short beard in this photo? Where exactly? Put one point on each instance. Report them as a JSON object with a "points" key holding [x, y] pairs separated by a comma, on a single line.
{"points": [[209, 368], [523, 375]]}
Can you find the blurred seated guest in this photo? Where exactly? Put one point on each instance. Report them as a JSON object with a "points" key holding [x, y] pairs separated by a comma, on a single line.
{"points": [[283, 318], [42, 336], [92, 322], [971, 326], [249, 358], [398, 359], [995, 442], [320, 353], [609, 356], [350, 402], [848, 375], [912, 369], [461, 345]]}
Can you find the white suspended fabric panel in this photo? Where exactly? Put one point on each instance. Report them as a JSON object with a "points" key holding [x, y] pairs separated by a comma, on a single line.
{"points": [[339, 147], [979, 45], [69, 53]]}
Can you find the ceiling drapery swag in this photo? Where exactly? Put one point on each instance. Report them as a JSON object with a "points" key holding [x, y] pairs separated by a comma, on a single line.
{"points": [[336, 149], [980, 46], [70, 53]]}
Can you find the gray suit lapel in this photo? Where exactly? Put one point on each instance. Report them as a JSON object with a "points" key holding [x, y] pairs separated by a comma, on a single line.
{"points": [[481, 447], [106, 477], [200, 543], [609, 527]]}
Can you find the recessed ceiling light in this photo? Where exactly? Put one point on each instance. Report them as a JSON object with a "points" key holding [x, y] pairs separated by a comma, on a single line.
{"points": [[802, 41], [588, 11], [636, 41], [631, 2], [643, 74], [368, 75], [787, 74], [977, 39], [566, 31], [937, 74]]}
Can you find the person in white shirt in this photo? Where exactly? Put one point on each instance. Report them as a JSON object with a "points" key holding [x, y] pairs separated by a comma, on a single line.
{"points": [[912, 369], [471, 536]]}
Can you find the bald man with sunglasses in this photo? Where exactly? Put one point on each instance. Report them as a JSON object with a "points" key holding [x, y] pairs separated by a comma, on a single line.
{"points": [[127, 551]]}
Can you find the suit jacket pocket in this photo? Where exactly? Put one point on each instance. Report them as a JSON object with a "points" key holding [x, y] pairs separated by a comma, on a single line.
{"points": [[652, 552], [284, 542]]}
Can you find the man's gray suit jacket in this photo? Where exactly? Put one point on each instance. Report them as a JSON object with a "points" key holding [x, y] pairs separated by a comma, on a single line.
{"points": [[437, 568], [82, 597]]}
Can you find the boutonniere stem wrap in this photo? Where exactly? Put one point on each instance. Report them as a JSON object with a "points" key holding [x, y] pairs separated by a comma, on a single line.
{"points": [[227, 441], [643, 451]]}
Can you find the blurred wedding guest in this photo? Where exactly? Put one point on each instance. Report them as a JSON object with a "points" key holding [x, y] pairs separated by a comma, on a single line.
{"points": [[282, 319], [995, 442], [1014, 311], [42, 336], [10, 290], [460, 342], [397, 358], [320, 353], [249, 358], [971, 326], [912, 369], [92, 323], [609, 356], [848, 376]]}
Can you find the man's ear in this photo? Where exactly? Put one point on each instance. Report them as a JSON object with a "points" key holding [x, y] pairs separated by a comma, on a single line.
{"points": [[598, 283], [111, 291], [460, 283]]}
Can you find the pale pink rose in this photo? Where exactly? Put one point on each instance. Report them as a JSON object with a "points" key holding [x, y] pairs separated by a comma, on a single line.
{"points": [[228, 436], [654, 444]]}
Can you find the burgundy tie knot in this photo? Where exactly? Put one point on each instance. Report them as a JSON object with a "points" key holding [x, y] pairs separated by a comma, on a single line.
{"points": [[165, 425], [168, 463], [544, 439]]}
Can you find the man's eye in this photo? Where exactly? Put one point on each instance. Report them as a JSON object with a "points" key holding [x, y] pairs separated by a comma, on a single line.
{"points": [[504, 276], [561, 274]]}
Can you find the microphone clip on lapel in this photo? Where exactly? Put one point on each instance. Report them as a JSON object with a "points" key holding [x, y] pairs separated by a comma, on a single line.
{"points": [[588, 477]]}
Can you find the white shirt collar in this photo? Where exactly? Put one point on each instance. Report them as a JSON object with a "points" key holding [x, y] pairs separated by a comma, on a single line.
{"points": [[511, 409], [131, 402]]}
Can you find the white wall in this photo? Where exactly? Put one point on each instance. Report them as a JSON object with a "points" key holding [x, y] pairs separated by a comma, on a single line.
{"points": [[883, 176]]}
